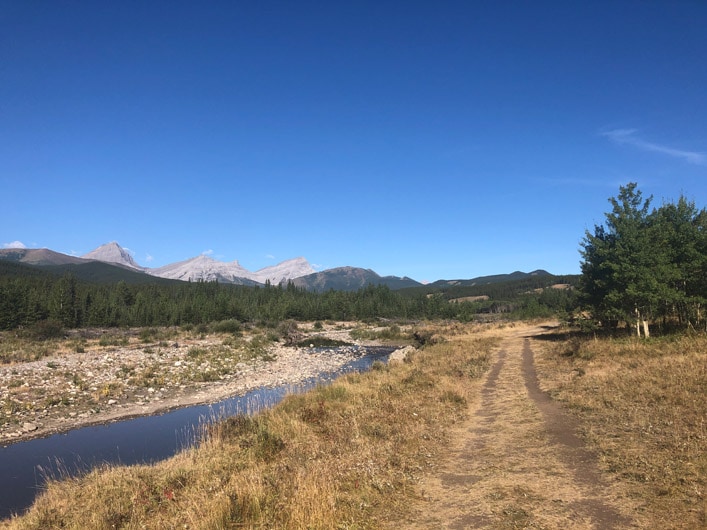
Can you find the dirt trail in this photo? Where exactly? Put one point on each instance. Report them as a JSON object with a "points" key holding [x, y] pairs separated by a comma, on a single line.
{"points": [[517, 462]]}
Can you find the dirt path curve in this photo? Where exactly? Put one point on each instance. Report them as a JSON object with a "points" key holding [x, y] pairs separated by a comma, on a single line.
{"points": [[517, 462]]}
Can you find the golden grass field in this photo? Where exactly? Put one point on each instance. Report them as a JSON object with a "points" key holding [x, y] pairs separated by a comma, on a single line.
{"points": [[643, 408]]}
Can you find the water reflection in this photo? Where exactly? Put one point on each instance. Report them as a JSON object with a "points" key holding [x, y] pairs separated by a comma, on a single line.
{"points": [[24, 466]]}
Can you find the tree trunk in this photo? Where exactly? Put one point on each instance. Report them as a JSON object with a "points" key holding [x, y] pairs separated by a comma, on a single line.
{"points": [[641, 321]]}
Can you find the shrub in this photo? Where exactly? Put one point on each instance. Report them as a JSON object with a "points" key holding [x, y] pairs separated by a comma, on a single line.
{"points": [[389, 333], [289, 332], [227, 326], [47, 329], [148, 334], [112, 340], [379, 366], [424, 337], [321, 342], [196, 352]]}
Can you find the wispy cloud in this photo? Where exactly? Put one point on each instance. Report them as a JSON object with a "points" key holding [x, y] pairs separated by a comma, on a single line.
{"points": [[628, 137], [149, 258], [269, 256], [14, 244], [207, 252]]}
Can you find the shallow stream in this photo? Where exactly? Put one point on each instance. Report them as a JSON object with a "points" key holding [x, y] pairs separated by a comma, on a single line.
{"points": [[24, 466]]}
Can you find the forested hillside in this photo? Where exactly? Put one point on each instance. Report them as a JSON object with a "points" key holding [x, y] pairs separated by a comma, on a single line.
{"points": [[526, 294], [29, 295]]}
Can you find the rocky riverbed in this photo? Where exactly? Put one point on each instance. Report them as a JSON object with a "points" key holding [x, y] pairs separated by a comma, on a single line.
{"points": [[108, 380]]}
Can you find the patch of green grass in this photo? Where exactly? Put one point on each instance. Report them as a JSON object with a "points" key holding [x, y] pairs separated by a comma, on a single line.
{"points": [[390, 333], [14, 383], [207, 376], [196, 352], [112, 340]]}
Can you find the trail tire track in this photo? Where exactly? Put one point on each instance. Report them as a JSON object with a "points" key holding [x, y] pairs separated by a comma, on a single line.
{"points": [[518, 461]]}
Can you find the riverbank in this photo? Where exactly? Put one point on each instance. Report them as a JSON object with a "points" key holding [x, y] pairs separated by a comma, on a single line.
{"points": [[505, 426], [339, 455], [119, 375]]}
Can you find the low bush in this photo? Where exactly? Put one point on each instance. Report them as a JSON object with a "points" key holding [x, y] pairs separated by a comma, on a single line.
{"points": [[321, 342], [227, 326], [46, 330]]}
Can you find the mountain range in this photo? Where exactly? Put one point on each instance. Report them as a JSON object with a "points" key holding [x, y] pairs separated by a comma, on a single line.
{"points": [[111, 262], [206, 268]]}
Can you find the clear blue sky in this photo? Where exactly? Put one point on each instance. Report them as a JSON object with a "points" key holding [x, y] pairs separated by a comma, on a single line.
{"points": [[429, 139]]}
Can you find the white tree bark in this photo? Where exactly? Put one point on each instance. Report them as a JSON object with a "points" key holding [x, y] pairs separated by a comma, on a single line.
{"points": [[640, 321]]}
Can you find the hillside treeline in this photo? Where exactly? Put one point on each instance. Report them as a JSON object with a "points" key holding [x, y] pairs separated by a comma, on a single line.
{"points": [[29, 295], [530, 296], [29, 299]]}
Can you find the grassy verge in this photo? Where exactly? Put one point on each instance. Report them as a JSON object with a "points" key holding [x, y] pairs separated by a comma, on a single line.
{"points": [[347, 455], [642, 406]]}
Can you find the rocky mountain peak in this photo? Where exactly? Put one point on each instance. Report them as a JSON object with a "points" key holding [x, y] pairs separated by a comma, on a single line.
{"points": [[112, 253], [284, 271], [205, 268]]}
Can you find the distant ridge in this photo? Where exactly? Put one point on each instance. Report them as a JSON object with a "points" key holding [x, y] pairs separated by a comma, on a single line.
{"points": [[38, 256], [205, 268], [485, 280], [36, 261], [350, 279], [111, 262]]}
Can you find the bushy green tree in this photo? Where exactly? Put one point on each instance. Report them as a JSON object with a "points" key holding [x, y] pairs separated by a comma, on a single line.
{"points": [[680, 231], [641, 264]]}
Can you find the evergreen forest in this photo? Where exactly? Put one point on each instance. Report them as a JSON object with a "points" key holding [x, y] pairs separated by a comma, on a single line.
{"points": [[29, 295]]}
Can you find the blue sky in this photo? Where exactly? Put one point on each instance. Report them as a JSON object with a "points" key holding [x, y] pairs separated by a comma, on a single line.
{"points": [[429, 139]]}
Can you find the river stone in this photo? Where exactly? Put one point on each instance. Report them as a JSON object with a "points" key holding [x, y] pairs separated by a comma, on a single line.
{"points": [[29, 427]]}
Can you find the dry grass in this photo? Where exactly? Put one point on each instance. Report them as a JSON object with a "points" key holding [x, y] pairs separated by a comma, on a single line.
{"points": [[348, 455], [642, 405]]}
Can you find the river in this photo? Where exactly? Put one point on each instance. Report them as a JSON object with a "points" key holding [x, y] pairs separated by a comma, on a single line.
{"points": [[25, 466]]}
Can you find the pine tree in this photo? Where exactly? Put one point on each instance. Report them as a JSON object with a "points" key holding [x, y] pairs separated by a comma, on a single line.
{"points": [[619, 280], [641, 265]]}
